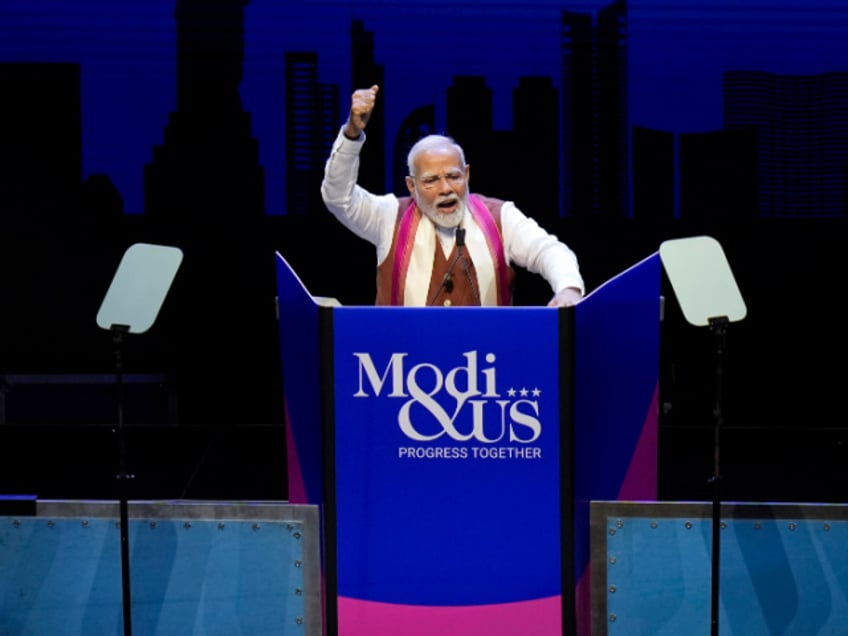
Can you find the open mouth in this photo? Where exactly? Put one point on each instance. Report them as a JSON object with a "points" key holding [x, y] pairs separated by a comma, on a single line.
{"points": [[447, 205]]}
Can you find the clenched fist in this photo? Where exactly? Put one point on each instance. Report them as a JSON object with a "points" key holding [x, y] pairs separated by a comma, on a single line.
{"points": [[361, 106]]}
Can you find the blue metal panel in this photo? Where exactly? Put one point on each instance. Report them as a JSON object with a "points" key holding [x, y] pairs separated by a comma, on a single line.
{"points": [[197, 577], [779, 574]]}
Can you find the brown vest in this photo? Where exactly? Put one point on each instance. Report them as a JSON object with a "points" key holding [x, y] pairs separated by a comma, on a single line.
{"points": [[465, 287]]}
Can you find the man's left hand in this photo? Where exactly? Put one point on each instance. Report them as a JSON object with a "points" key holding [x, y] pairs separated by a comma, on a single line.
{"points": [[567, 297]]}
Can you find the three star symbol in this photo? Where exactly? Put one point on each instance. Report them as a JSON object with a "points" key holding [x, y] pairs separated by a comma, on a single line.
{"points": [[524, 392]]}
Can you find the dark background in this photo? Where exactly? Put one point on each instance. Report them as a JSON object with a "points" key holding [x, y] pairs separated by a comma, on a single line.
{"points": [[204, 125]]}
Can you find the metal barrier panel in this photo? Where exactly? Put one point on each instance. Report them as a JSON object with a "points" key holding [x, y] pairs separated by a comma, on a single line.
{"points": [[783, 569], [195, 568]]}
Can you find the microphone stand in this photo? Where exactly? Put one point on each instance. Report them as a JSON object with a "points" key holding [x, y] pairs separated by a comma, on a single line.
{"points": [[446, 279], [460, 243]]}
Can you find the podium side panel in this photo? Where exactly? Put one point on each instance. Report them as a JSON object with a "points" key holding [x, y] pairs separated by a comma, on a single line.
{"points": [[300, 350], [447, 471], [616, 378]]}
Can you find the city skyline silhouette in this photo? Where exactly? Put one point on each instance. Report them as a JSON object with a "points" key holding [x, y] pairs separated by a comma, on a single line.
{"points": [[711, 40], [215, 161]]}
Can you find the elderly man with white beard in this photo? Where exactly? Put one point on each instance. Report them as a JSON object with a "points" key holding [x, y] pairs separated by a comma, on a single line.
{"points": [[441, 245]]}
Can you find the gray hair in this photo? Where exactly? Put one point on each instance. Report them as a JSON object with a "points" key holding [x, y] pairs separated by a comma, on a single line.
{"points": [[428, 143]]}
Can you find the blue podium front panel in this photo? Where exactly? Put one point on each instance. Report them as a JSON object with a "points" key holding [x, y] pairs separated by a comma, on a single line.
{"points": [[447, 471]]}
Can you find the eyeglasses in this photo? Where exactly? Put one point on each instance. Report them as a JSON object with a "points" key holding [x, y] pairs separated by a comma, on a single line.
{"points": [[454, 178]]}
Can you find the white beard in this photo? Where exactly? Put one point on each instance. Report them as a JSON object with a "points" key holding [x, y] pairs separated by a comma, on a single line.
{"points": [[440, 218]]}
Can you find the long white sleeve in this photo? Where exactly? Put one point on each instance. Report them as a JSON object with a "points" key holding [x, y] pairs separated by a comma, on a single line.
{"points": [[367, 215], [529, 245]]}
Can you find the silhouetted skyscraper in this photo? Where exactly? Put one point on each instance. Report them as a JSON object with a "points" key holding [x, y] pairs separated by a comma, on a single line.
{"points": [[654, 174], [204, 192], [365, 73], [536, 132], [718, 175], [40, 140], [312, 122], [420, 122], [595, 115], [802, 137], [208, 164], [41, 251], [470, 122]]}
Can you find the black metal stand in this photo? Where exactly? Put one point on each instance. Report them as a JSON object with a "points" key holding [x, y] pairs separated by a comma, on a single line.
{"points": [[118, 332], [132, 301], [719, 328]]}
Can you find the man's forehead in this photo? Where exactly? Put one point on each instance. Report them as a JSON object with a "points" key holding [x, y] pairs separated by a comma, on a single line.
{"points": [[440, 156]]}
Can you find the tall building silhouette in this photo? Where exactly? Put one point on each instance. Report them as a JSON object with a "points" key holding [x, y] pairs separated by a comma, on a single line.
{"points": [[654, 174], [209, 162], [536, 135], [41, 131], [420, 122], [595, 114], [801, 124], [718, 176], [312, 122], [204, 193], [470, 121], [41, 249], [365, 73]]}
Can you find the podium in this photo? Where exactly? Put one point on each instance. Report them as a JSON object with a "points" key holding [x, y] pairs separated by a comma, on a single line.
{"points": [[453, 452]]}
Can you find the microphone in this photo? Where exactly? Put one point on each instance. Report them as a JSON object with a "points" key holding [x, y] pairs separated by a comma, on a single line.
{"points": [[460, 253], [447, 279]]}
